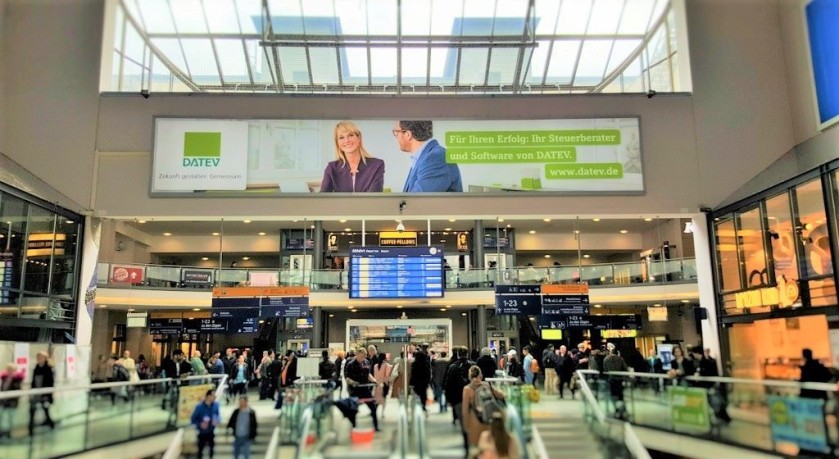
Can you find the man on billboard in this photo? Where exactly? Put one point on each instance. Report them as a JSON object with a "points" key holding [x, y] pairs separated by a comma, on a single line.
{"points": [[429, 170]]}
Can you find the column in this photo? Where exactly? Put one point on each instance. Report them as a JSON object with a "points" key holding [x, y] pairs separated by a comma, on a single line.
{"points": [[318, 251], [317, 327], [481, 330], [705, 284], [478, 244]]}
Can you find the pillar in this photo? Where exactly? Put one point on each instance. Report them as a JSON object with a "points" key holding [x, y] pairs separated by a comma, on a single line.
{"points": [[707, 289], [481, 330], [478, 244], [317, 327], [318, 251]]}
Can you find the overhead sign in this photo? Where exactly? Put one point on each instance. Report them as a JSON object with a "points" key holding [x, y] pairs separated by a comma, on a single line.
{"points": [[518, 299], [822, 17], [590, 156], [192, 326], [396, 272], [239, 320], [165, 326], [283, 302], [398, 238], [657, 313], [197, 277], [126, 274], [582, 322]]}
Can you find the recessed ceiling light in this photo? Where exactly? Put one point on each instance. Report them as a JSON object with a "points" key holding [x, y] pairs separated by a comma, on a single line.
{"points": [[167, 234], [546, 220], [447, 229], [657, 304], [623, 231], [215, 234], [295, 221], [312, 227], [246, 221], [130, 309], [576, 231], [246, 258], [532, 231], [204, 258], [196, 309], [141, 221], [347, 229], [342, 220], [685, 301], [262, 233], [70, 222], [262, 321], [448, 306], [586, 256], [509, 225], [442, 309], [399, 306], [500, 219], [331, 315], [452, 220], [103, 306], [463, 314], [191, 318], [353, 310], [533, 319], [598, 306], [547, 256], [648, 219]]}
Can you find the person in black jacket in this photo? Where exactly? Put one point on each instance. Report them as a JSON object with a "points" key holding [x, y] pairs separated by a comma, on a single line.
{"points": [[813, 371], [42, 378], [487, 364], [244, 429], [717, 393], [421, 377], [326, 370], [287, 375], [565, 367], [457, 377]]}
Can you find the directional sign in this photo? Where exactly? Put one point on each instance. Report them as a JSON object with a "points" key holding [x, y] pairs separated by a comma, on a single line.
{"points": [[583, 322], [193, 326], [165, 326], [284, 307], [564, 310], [565, 299], [239, 320], [518, 299]]}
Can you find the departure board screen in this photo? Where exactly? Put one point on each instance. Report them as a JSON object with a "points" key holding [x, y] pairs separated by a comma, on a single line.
{"points": [[396, 272]]}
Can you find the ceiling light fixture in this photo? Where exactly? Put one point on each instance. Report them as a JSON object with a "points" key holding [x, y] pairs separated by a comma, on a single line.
{"points": [[595, 219], [196, 309], [167, 234], [685, 301], [331, 315], [576, 231], [547, 256], [347, 229], [546, 220], [246, 221], [215, 234], [648, 219], [262, 233], [598, 306], [532, 231], [586, 256], [246, 258], [141, 221], [447, 229], [500, 220], [205, 258], [342, 220], [442, 309], [452, 220], [399, 306], [623, 231]]}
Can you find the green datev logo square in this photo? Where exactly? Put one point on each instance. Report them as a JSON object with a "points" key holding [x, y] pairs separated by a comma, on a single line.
{"points": [[202, 144]]}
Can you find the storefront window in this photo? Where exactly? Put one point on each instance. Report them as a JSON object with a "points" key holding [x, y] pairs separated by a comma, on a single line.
{"points": [[751, 248], [812, 228], [727, 256], [782, 238]]}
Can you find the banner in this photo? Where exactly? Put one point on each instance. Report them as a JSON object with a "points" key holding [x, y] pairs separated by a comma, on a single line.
{"points": [[579, 156], [188, 398], [22, 357], [126, 274], [800, 421], [689, 409], [197, 277]]}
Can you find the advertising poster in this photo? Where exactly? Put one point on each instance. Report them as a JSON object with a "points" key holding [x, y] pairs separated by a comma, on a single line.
{"points": [[126, 274], [188, 397], [665, 353], [690, 409], [70, 361], [799, 421], [578, 156]]}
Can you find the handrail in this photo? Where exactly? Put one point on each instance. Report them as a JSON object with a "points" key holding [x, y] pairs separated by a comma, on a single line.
{"points": [[89, 387], [222, 385], [538, 445], [306, 420], [515, 420], [826, 387], [273, 444], [176, 446], [419, 424], [403, 430], [630, 439]]}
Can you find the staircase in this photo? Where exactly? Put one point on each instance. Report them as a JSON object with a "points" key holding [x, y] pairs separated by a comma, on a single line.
{"points": [[224, 441], [567, 436]]}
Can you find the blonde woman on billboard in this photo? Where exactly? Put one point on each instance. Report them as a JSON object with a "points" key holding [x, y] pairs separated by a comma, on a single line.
{"points": [[354, 169]]}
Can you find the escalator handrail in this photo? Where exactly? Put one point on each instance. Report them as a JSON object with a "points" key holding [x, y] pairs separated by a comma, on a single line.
{"points": [[588, 396], [11, 394], [273, 444], [403, 431], [826, 387], [538, 445], [633, 443], [306, 420], [176, 446], [515, 421], [222, 385], [419, 426]]}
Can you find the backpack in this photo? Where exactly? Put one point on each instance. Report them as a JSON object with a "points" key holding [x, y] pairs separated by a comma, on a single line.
{"points": [[534, 366], [485, 403], [120, 373]]}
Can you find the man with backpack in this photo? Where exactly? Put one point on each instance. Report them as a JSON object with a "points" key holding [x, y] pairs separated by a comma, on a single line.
{"points": [[457, 377], [549, 364], [531, 366]]}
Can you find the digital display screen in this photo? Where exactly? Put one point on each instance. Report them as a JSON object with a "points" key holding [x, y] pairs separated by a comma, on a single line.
{"points": [[396, 272]]}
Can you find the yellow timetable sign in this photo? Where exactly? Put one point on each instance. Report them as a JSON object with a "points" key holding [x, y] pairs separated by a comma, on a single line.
{"points": [[398, 239]]}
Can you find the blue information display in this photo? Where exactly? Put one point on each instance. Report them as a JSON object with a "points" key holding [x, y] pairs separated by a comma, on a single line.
{"points": [[239, 320], [822, 19], [396, 272]]}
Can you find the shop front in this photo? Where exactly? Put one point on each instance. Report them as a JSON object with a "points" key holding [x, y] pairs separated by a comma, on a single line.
{"points": [[776, 277]]}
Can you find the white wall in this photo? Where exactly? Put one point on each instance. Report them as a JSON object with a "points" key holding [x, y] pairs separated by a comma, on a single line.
{"points": [[51, 58]]}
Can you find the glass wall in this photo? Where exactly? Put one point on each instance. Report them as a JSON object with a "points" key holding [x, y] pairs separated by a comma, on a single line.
{"points": [[38, 260]]}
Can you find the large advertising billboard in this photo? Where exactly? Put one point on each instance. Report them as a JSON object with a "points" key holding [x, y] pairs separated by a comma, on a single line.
{"points": [[276, 157]]}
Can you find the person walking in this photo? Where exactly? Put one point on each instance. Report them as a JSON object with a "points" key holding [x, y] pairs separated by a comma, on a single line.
{"points": [[564, 369], [813, 371], [438, 374], [205, 417], [457, 377], [614, 362], [42, 378], [486, 363], [243, 424], [198, 367], [527, 365], [381, 373], [497, 441], [549, 364], [10, 379], [421, 378], [358, 378]]}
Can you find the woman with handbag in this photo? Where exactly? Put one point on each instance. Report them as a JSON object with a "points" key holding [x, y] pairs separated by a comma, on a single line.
{"points": [[382, 372]]}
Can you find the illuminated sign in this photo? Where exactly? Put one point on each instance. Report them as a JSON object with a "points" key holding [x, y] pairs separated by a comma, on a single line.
{"points": [[45, 244], [398, 239], [657, 314], [611, 334]]}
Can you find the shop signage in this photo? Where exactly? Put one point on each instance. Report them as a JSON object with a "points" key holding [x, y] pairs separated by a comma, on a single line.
{"points": [[610, 334], [657, 313], [45, 244], [462, 242], [786, 294], [799, 421], [398, 239], [332, 242], [126, 274], [492, 156], [496, 335], [689, 410], [197, 277]]}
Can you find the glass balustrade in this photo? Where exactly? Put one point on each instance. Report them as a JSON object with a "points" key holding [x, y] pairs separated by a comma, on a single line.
{"points": [[126, 275]]}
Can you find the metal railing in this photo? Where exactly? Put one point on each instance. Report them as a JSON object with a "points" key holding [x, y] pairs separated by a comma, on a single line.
{"points": [[91, 415], [595, 413], [722, 409], [176, 446], [192, 277], [273, 444]]}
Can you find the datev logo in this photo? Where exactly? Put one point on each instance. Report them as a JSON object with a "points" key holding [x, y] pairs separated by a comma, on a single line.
{"points": [[202, 149]]}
